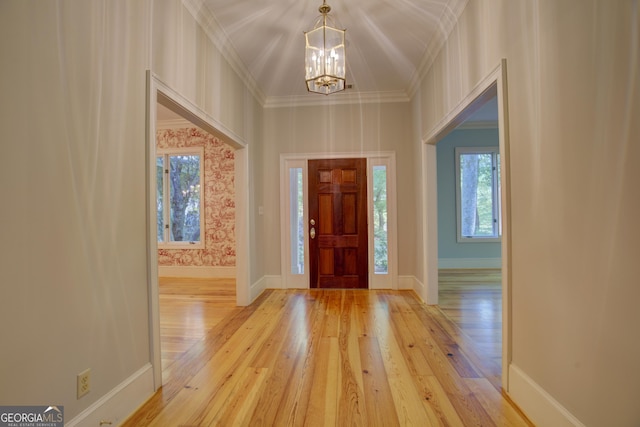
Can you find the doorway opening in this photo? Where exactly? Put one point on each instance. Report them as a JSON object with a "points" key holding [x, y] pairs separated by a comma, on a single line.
{"points": [[164, 104], [196, 239], [470, 229], [494, 86]]}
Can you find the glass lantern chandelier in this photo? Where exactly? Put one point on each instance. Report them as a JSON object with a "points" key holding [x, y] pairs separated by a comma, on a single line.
{"points": [[324, 59]]}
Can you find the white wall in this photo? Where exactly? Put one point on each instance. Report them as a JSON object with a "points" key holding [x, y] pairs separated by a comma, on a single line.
{"points": [[339, 129], [186, 60], [73, 261], [574, 98], [73, 258]]}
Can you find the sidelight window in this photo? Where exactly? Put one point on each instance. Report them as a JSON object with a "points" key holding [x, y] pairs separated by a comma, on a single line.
{"points": [[380, 220], [296, 220]]}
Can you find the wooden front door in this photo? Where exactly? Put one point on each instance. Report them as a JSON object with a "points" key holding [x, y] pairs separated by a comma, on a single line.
{"points": [[338, 223]]}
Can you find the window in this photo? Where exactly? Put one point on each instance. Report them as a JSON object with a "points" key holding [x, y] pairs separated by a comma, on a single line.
{"points": [[380, 250], [179, 201], [383, 246], [295, 228], [296, 220], [478, 194]]}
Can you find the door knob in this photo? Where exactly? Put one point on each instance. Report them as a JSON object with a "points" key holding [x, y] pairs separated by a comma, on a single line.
{"points": [[312, 233], [312, 222]]}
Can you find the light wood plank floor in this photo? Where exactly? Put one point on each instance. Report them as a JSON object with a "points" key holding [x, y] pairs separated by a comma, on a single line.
{"points": [[472, 299], [334, 358], [189, 308]]}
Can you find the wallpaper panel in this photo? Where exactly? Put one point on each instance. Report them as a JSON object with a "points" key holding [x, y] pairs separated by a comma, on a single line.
{"points": [[219, 201]]}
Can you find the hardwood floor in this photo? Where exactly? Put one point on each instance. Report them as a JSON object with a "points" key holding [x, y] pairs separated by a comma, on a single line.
{"points": [[332, 357], [472, 299], [189, 308]]}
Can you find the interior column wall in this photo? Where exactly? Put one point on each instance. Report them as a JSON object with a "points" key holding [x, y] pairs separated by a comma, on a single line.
{"points": [[573, 89], [73, 259]]}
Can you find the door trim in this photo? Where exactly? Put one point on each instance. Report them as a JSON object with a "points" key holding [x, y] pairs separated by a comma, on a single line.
{"points": [[495, 83], [376, 281]]}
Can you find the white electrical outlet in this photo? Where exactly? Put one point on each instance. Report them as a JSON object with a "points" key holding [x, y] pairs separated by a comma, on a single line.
{"points": [[84, 382]]}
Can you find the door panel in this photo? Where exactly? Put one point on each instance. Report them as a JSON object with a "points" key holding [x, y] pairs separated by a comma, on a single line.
{"points": [[338, 216], [325, 215], [349, 214], [326, 261]]}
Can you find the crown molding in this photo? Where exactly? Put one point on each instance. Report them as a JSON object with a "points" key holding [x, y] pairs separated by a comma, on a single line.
{"points": [[342, 98], [447, 23], [174, 124], [488, 124], [207, 21]]}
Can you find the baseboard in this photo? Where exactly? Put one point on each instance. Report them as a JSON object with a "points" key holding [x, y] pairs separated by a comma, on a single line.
{"points": [[273, 282], [257, 288], [411, 283], [470, 263], [406, 282], [199, 272], [117, 405], [539, 406]]}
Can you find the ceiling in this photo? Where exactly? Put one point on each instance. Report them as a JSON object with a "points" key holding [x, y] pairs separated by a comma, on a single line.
{"points": [[389, 42]]}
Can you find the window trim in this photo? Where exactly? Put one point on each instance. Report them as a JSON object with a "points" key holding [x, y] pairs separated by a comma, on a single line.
{"points": [[167, 243], [291, 280], [495, 152], [373, 163]]}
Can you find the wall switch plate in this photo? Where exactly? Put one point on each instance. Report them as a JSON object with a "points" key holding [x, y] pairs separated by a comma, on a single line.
{"points": [[84, 382]]}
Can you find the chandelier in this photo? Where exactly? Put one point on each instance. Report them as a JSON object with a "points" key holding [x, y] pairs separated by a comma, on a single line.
{"points": [[324, 59]]}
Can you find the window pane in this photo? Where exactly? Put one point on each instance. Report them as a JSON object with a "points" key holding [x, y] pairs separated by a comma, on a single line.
{"points": [[498, 204], [184, 177], [297, 220], [381, 256], [160, 196], [477, 198]]}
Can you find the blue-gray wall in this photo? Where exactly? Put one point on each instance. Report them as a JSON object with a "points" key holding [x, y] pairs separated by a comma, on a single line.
{"points": [[451, 253]]}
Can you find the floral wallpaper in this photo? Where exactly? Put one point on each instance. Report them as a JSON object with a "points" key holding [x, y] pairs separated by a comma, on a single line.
{"points": [[219, 201]]}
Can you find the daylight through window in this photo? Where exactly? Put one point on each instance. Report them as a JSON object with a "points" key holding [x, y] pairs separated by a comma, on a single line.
{"points": [[296, 195], [380, 231], [179, 197], [478, 193]]}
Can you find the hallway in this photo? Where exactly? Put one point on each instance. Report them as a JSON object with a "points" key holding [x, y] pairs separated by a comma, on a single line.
{"points": [[338, 357]]}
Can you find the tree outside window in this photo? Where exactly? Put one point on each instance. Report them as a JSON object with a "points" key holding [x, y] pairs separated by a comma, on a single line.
{"points": [[381, 254], [478, 193], [179, 200]]}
